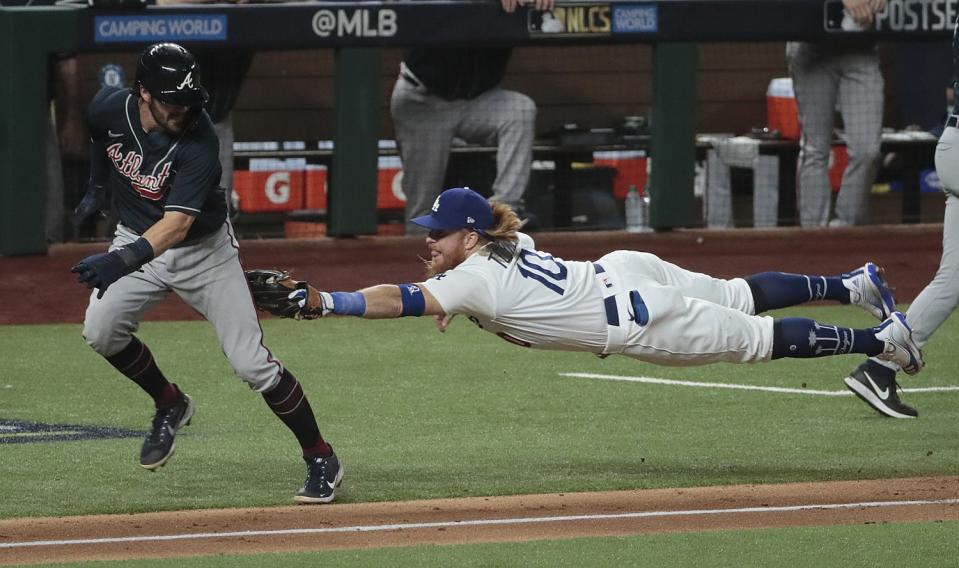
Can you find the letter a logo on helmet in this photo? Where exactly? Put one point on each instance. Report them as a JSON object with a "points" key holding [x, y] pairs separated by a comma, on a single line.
{"points": [[171, 75], [187, 82]]}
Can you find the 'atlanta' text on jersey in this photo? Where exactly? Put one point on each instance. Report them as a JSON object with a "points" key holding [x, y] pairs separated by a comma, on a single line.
{"points": [[149, 186]]}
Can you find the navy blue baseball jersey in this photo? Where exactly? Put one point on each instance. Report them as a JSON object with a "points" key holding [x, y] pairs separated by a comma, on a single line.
{"points": [[149, 174]]}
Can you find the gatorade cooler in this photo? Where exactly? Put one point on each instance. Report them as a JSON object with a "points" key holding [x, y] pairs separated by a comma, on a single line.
{"points": [[782, 113]]}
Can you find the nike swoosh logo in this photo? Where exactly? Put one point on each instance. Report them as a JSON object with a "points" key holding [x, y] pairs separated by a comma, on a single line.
{"points": [[113, 134], [882, 393], [332, 486]]}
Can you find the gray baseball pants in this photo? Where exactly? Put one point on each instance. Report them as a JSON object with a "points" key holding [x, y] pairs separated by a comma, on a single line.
{"points": [[822, 79], [941, 296], [425, 126], [208, 277]]}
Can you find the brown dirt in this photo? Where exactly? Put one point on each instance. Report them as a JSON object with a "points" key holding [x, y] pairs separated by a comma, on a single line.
{"points": [[40, 289], [477, 508]]}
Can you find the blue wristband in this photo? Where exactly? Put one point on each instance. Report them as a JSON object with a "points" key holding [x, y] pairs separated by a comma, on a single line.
{"points": [[414, 304], [349, 303]]}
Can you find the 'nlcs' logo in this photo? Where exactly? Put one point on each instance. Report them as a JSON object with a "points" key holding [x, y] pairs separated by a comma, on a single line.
{"points": [[571, 20]]}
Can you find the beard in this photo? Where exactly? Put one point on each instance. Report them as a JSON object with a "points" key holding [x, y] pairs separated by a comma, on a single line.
{"points": [[172, 123], [447, 263]]}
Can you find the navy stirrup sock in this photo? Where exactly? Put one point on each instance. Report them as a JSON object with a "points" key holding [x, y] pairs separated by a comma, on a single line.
{"points": [[288, 401], [773, 290], [136, 362], [803, 338]]}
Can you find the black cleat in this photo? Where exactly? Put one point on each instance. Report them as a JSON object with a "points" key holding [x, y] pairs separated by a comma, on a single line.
{"points": [[159, 444], [876, 385], [323, 476]]}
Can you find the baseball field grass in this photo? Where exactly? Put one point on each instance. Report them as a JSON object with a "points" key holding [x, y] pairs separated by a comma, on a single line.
{"points": [[414, 414]]}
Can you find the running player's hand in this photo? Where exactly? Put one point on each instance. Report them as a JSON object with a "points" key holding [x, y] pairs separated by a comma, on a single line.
{"points": [[91, 203], [100, 270]]}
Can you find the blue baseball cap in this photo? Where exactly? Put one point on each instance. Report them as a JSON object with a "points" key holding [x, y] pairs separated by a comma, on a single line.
{"points": [[458, 208]]}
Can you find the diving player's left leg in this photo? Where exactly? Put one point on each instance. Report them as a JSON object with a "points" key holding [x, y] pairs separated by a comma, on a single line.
{"points": [[865, 287]]}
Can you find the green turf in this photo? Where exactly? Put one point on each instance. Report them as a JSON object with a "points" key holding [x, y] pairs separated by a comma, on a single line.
{"points": [[865, 546], [416, 414]]}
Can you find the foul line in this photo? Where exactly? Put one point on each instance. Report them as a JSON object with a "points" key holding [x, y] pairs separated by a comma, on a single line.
{"points": [[698, 384], [477, 522]]}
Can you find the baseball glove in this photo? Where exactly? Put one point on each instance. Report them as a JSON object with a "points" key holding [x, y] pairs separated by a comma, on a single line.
{"points": [[275, 291]]}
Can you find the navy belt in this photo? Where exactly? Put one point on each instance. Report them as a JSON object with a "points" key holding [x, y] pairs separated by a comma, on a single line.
{"points": [[640, 311], [952, 121], [612, 313]]}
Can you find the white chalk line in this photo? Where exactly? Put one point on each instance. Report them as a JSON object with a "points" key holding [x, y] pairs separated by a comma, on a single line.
{"points": [[734, 386], [478, 522]]}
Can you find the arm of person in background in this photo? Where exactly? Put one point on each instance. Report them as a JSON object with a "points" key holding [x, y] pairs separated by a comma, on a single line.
{"points": [[510, 6], [863, 11]]}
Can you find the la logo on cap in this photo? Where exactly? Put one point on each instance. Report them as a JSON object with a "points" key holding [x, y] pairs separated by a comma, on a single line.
{"points": [[436, 204]]}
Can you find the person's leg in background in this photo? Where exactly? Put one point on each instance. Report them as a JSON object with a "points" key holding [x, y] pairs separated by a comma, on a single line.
{"points": [[508, 119], [224, 131], [815, 81], [424, 131], [860, 102]]}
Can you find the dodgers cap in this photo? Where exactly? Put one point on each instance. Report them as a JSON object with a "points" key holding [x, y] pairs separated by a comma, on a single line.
{"points": [[458, 208]]}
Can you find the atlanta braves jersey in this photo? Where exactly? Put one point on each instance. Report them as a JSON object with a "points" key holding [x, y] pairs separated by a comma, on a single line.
{"points": [[149, 174]]}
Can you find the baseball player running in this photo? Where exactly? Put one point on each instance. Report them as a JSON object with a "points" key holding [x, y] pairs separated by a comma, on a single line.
{"points": [[874, 381], [628, 303], [155, 153]]}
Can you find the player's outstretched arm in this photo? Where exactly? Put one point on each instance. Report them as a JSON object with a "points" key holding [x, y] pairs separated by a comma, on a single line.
{"points": [[393, 301], [275, 291]]}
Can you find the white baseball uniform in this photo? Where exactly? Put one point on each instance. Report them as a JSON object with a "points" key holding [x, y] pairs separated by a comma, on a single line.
{"points": [[627, 302]]}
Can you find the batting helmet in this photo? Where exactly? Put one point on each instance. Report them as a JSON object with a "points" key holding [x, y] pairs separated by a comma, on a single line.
{"points": [[172, 75]]}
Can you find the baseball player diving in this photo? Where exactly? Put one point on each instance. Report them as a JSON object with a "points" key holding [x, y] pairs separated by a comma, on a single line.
{"points": [[154, 153], [627, 302]]}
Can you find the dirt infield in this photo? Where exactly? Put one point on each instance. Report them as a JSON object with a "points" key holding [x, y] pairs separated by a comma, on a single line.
{"points": [[40, 289], [477, 519]]}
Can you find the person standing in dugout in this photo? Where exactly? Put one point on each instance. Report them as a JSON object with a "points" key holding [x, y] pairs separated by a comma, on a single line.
{"points": [[155, 154]]}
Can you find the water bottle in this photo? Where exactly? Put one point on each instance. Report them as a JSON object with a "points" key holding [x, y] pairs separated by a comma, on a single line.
{"points": [[637, 211]]}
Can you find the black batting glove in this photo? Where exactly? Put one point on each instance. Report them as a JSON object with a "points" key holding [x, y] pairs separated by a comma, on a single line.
{"points": [[92, 202], [103, 269]]}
